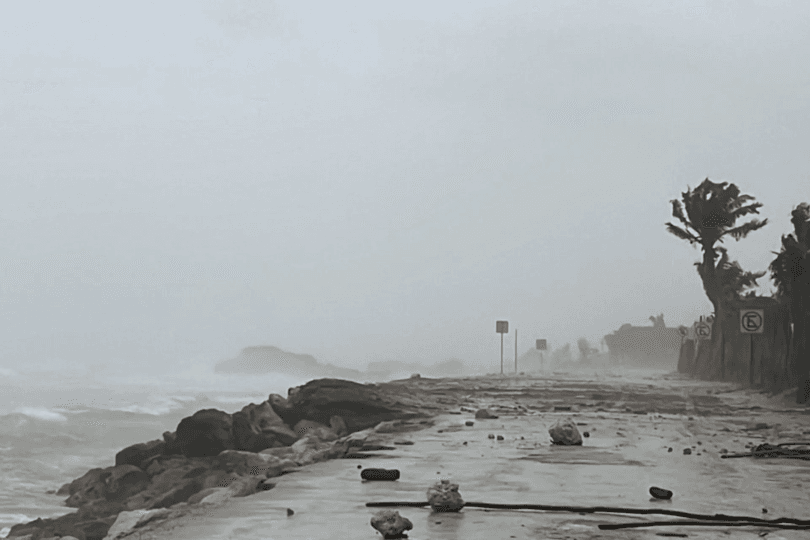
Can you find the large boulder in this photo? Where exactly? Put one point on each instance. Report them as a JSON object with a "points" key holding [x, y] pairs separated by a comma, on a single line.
{"points": [[124, 481], [89, 487], [137, 453], [359, 405], [173, 484], [284, 409], [565, 432], [257, 427], [69, 525], [205, 433]]}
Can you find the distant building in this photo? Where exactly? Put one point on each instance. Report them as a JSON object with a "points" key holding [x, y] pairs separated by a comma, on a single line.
{"points": [[645, 346]]}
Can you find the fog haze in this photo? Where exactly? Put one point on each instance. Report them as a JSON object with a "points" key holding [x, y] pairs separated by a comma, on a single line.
{"points": [[376, 181]]}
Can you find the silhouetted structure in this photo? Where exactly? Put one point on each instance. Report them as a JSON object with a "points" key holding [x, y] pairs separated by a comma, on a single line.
{"points": [[645, 346]]}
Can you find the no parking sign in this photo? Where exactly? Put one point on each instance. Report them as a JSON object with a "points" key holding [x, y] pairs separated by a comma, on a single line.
{"points": [[752, 321]]}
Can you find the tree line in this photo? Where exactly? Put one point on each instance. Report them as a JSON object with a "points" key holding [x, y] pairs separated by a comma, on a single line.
{"points": [[779, 358]]}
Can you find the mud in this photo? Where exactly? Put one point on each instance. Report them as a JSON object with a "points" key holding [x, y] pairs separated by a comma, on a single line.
{"points": [[633, 419]]}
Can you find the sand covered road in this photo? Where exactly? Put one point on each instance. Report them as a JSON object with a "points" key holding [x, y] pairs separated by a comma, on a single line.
{"points": [[632, 419]]}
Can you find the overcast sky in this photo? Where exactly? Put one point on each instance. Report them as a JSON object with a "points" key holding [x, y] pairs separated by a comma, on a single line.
{"points": [[377, 180]]}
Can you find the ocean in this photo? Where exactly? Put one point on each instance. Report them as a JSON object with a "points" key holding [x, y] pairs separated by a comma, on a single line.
{"points": [[53, 430]]}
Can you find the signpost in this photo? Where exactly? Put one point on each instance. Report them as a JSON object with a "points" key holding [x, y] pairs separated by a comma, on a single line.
{"points": [[703, 330], [752, 321], [540, 345], [502, 327]]}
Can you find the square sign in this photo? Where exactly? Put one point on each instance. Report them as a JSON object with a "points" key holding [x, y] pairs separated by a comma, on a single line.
{"points": [[502, 327], [541, 345], [752, 321]]}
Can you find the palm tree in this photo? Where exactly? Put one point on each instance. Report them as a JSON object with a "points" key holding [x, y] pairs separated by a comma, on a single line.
{"points": [[711, 213], [790, 271]]}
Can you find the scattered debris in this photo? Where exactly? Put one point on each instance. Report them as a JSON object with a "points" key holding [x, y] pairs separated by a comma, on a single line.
{"points": [[485, 414], [660, 493], [469, 423], [500, 437], [490, 436], [687, 451], [290, 512], [766, 450], [403, 443], [562, 408], [380, 474], [565, 432], [586, 434], [444, 497], [390, 524]]}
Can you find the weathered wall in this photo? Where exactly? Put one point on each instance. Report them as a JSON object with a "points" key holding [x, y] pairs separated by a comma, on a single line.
{"points": [[772, 367]]}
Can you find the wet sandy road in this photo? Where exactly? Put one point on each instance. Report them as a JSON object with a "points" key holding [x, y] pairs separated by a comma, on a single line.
{"points": [[626, 453]]}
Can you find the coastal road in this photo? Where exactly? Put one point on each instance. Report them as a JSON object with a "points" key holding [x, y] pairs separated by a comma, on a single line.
{"points": [[633, 419]]}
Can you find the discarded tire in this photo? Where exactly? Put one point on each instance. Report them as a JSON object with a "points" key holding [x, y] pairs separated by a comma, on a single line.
{"points": [[660, 493], [379, 474]]}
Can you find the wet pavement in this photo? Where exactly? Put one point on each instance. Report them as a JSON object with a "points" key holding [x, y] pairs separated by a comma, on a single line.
{"points": [[632, 425]]}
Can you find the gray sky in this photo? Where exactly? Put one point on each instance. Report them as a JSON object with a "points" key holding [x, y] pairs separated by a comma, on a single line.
{"points": [[377, 180]]}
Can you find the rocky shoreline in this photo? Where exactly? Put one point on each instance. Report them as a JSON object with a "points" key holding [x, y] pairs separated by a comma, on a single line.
{"points": [[213, 456]]}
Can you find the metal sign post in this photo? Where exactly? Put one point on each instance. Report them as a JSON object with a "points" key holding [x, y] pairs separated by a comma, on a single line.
{"points": [[502, 327], [752, 321], [540, 345]]}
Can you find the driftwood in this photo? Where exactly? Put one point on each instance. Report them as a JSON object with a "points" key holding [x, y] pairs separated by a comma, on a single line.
{"points": [[766, 450]]}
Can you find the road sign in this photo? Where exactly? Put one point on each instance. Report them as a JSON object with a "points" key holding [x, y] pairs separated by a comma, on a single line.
{"points": [[703, 330], [752, 321], [502, 327], [541, 344]]}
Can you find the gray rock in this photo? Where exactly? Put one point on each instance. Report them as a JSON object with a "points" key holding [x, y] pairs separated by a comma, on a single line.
{"points": [[361, 406], [483, 414], [305, 428], [250, 464], [124, 523], [444, 497], [89, 487], [257, 427], [338, 425], [137, 453], [205, 433], [125, 481], [565, 432], [390, 524]]}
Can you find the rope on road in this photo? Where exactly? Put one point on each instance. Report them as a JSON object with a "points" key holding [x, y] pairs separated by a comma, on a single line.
{"points": [[701, 523], [727, 519]]}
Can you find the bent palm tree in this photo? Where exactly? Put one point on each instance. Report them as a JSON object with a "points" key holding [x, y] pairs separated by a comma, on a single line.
{"points": [[790, 271], [711, 213]]}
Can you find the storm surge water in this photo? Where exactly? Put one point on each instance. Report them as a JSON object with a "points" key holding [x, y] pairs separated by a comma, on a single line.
{"points": [[56, 426]]}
